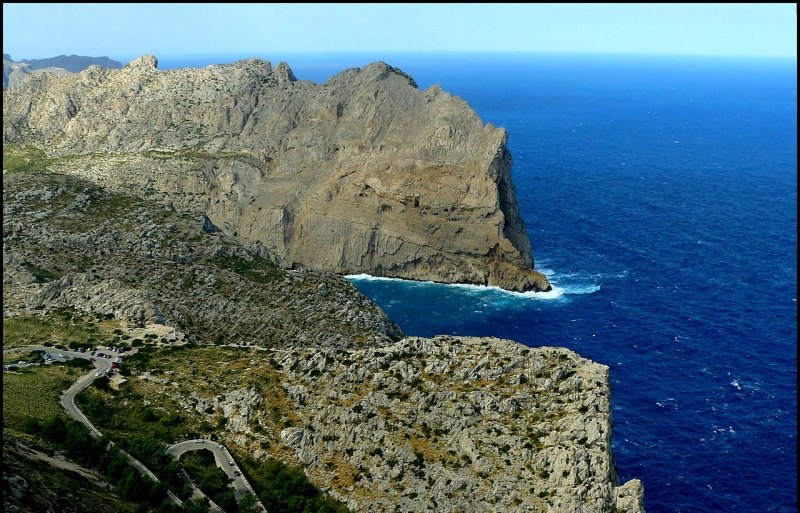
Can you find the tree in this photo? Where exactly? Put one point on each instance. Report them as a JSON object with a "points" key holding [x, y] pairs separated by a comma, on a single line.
{"points": [[196, 506]]}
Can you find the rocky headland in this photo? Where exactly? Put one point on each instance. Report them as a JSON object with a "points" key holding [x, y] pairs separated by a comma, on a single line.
{"points": [[207, 209], [364, 173]]}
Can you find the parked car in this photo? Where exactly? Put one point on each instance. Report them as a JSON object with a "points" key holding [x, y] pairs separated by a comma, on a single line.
{"points": [[236, 473], [98, 374], [231, 463]]}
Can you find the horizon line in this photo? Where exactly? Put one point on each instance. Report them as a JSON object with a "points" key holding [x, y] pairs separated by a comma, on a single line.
{"points": [[377, 53], [124, 58]]}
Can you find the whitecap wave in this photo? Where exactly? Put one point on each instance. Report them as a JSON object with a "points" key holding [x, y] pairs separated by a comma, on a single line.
{"points": [[582, 289]]}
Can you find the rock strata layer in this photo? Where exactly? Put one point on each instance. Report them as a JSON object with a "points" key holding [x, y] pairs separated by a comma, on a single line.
{"points": [[364, 173]]}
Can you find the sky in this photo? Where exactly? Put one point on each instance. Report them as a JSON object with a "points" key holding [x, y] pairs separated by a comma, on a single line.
{"points": [[124, 31]]}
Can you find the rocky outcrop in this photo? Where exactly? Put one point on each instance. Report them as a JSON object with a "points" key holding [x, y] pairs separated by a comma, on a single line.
{"points": [[457, 424], [442, 425], [364, 173]]}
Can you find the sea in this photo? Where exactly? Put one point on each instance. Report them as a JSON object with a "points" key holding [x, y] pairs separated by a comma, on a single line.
{"points": [[660, 196]]}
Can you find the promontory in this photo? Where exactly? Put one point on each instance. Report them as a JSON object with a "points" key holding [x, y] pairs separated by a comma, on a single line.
{"points": [[364, 173]]}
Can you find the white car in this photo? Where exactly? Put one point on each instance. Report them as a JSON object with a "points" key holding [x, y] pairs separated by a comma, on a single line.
{"points": [[97, 374], [200, 440]]}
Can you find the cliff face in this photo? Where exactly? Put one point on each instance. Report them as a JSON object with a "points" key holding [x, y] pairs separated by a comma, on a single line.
{"points": [[364, 173]]}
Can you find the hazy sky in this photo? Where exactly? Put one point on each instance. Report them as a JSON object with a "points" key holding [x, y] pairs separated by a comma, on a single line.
{"points": [[123, 31]]}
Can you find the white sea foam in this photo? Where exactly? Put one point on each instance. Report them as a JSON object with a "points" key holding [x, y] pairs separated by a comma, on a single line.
{"points": [[557, 292], [577, 285]]}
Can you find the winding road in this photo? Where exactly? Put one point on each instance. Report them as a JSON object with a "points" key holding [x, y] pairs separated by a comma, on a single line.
{"points": [[224, 461], [102, 365]]}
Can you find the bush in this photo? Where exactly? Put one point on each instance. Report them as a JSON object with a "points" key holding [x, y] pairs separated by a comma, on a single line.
{"points": [[79, 363], [287, 489]]}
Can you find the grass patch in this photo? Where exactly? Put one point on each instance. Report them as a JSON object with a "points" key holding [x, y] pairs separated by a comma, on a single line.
{"points": [[62, 327], [31, 357], [33, 393], [24, 159], [41, 274], [286, 488], [258, 269]]}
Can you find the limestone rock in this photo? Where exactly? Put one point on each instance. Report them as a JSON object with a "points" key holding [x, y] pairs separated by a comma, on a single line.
{"points": [[456, 424], [364, 173], [630, 497]]}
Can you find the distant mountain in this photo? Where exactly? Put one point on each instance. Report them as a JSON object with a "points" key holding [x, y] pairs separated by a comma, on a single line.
{"points": [[73, 63], [15, 71]]}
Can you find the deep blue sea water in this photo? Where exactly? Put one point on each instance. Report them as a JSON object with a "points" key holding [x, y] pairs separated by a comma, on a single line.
{"points": [[660, 194]]}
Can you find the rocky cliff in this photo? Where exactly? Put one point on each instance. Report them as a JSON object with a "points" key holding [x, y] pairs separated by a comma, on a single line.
{"points": [[364, 173], [447, 424]]}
